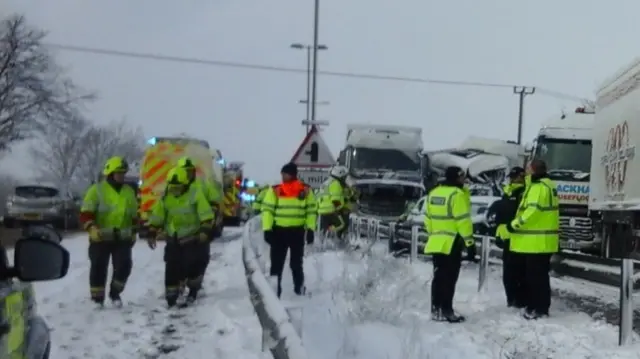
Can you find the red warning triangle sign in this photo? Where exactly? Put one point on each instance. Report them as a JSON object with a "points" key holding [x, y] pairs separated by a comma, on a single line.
{"points": [[313, 152]]}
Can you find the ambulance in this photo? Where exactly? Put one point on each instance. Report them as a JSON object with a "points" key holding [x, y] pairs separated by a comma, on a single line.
{"points": [[161, 155]]}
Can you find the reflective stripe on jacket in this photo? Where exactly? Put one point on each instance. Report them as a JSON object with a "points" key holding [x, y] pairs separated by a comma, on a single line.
{"points": [[289, 211], [182, 216], [113, 210], [332, 199], [448, 216], [538, 219]]}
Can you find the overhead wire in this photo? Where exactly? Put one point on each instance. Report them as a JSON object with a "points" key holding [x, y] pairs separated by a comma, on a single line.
{"points": [[242, 65]]}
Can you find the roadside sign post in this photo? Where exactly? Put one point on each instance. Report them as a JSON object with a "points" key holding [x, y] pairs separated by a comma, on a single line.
{"points": [[625, 332], [314, 159]]}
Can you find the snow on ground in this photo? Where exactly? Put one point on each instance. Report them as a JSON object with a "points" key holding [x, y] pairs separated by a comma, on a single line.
{"points": [[377, 307], [221, 325]]}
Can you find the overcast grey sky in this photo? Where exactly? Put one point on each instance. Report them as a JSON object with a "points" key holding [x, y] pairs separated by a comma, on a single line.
{"points": [[568, 46]]}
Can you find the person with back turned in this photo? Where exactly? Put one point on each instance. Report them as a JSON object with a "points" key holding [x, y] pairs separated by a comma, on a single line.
{"points": [[289, 213], [448, 224], [505, 211], [534, 237]]}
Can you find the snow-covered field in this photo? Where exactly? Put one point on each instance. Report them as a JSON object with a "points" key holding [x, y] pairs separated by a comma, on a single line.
{"points": [[222, 324], [359, 308]]}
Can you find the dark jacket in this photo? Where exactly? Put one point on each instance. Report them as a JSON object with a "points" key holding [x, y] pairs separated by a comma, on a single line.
{"points": [[505, 208]]}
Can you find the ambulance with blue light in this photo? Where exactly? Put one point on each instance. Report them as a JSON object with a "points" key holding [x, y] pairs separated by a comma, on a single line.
{"points": [[564, 143]]}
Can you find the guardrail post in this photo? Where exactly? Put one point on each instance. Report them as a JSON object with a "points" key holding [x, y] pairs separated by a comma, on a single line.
{"points": [[625, 331], [485, 252], [413, 257], [296, 314], [360, 223]]}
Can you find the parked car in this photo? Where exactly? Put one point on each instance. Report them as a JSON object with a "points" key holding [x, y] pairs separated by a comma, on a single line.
{"points": [[37, 257], [33, 204], [417, 216]]}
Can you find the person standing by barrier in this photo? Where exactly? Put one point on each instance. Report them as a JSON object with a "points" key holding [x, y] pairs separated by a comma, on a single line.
{"points": [[534, 237], [289, 213], [332, 206], [450, 229], [505, 211]]}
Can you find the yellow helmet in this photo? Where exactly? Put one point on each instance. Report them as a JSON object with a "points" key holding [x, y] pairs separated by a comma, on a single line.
{"points": [[185, 162], [178, 176], [115, 164]]}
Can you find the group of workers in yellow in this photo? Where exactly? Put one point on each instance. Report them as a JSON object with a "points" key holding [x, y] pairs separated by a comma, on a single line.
{"points": [[290, 213], [528, 223], [183, 218]]}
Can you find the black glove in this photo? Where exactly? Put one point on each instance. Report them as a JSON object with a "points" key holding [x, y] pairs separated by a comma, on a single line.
{"points": [[510, 228], [309, 237], [268, 237], [471, 253]]}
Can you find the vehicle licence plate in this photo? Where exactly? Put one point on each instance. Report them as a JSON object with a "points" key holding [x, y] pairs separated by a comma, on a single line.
{"points": [[31, 216]]}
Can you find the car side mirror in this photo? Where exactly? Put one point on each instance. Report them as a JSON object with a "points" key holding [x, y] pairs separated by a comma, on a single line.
{"points": [[40, 259]]}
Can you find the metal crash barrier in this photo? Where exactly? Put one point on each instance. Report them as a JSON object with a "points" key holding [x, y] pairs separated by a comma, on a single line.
{"points": [[278, 333], [415, 237]]}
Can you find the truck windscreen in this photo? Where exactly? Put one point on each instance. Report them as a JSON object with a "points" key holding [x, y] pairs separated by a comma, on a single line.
{"points": [[571, 155], [384, 159]]}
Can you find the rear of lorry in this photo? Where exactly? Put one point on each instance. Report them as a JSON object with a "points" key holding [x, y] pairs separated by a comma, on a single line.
{"points": [[614, 185], [158, 160]]}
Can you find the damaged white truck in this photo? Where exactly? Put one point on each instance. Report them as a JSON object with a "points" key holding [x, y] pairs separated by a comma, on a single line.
{"points": [[386, 167]]}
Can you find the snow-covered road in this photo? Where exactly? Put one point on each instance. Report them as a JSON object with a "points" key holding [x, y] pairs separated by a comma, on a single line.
{"points": [[377, 307], [221, 325]]}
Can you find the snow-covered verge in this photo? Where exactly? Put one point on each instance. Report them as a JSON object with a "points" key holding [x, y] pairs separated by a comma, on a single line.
{"points": [[378, 307], [279, 333]]}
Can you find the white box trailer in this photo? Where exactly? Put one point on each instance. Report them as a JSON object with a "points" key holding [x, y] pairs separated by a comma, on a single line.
{"points": [[615, 171]]}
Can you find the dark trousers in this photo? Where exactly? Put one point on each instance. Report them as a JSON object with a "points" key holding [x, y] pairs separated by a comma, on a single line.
{"points": [[205, 256], [100, 253], [284, 240], [446, 269], [514, 276], [338, 220], [183, 262], [538, 286]]}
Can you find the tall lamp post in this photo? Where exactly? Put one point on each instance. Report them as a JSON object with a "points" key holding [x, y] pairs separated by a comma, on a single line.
{"points": [[308, 101]]}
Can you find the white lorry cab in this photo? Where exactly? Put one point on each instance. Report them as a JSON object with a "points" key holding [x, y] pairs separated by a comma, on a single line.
{"points": [[564, 143], [385, 166], [615, 171]]}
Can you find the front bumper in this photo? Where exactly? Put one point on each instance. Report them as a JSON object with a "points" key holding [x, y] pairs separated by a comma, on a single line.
{"points": [[31, 215]]}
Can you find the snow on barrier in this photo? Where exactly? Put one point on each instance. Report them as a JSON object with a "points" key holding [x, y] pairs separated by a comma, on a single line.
{"points": [[279, 334]]}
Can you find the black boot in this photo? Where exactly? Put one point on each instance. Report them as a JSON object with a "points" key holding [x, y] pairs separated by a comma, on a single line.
{"points": [[533, 315], [171, 301], [452, 317], [99, 300], [301, 290], [436, 314], [115, 299]]}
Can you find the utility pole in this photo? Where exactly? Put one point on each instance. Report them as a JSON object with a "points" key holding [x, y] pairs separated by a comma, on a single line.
{"points": [[522, 92], [315, 61]]}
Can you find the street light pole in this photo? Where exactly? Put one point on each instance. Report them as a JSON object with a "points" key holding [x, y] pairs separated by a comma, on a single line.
{"points": [[308, 117], [315, 60], [310, 104]]}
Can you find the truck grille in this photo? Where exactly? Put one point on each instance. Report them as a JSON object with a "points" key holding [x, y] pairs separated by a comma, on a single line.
{"points": [[580, 231], [382, 208]]}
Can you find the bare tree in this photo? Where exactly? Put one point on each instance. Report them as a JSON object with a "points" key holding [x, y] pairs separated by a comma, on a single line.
{"points": [[34, 93], [57, 155], [115, 139]]}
